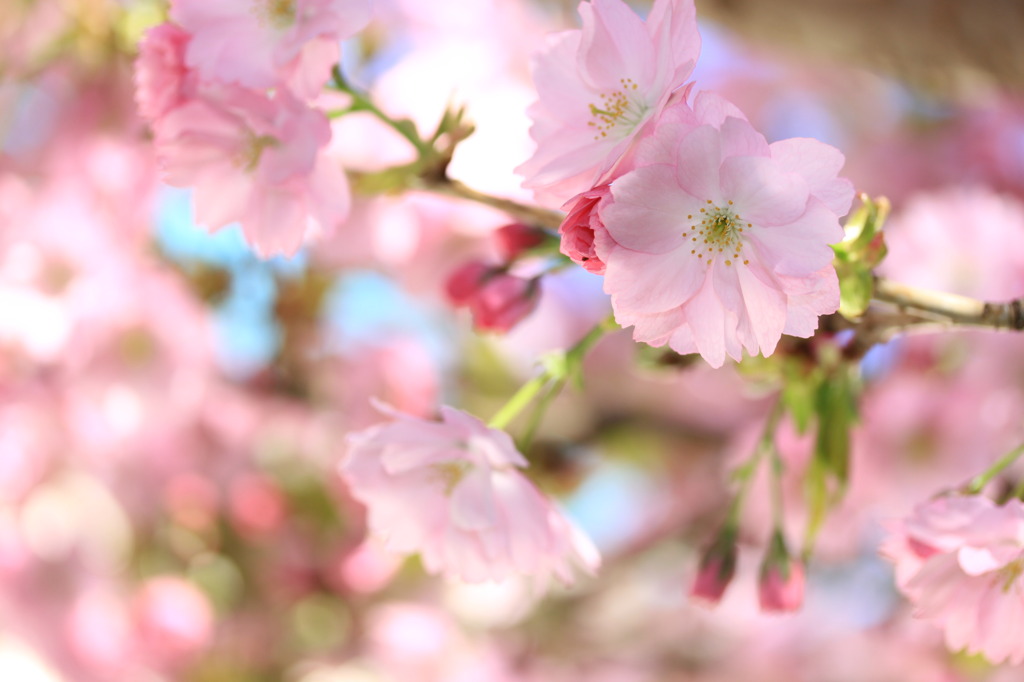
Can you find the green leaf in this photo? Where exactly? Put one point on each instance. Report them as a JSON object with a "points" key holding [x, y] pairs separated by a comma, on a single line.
{"points": [[828, 474], [798, 394]]}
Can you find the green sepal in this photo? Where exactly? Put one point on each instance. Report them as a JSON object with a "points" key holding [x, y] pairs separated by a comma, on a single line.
{"points": [[860, 252]]}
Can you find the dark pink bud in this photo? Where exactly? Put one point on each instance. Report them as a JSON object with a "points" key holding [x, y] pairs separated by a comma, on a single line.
{"points": [[781, 586], [497, 299], [512, 240], [504, 301], [717, 567], [582, 226], [464, 283]]}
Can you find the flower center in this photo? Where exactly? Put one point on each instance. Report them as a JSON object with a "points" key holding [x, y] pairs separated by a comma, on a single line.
{"points": [[249, 157], [274, 13], [618, 113], [717, 230], [451, 473], [1007, 575]]}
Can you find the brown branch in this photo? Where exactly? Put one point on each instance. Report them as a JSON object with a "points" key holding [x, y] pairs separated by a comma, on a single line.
{"points": [[533, 215], [950, 309]]}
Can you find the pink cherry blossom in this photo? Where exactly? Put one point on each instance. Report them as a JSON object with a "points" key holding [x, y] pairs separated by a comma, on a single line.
{"points": [[261, 43], [257, 160], [959, 560], [451, 490], [599, 87], [162, 79], [719, 242]]}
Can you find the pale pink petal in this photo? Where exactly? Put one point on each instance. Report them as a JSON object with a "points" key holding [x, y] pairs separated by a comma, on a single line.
{"points": [[654, 330], [740, 139], [762, 194], [708, 325], [699, 158], [644, 284], [313, 68], [765, 306], [473, 504], [673, 25], [809, 298], [801, 247], [682, 341], [224, 200], [615, 44], [712, 109], [819, 164], [649, 213], [329, 196], [276, 221]]}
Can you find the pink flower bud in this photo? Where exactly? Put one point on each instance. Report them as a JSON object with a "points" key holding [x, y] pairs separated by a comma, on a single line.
{"points": [[512, 240], [717, 567], [464, 283], [497, 300], [504, 301], [781, 586], [582, 226]]}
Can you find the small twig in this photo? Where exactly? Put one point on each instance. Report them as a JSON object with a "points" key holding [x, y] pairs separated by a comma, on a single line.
{"points": [[533, 215], [978, 483], [951, 309]]}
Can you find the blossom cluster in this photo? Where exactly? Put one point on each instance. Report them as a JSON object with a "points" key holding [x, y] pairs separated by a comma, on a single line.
{"points": [[226, 88], [710, 239]]}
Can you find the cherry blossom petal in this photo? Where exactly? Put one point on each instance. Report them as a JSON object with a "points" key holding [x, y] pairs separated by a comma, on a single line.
{"points": [[763, 195]]}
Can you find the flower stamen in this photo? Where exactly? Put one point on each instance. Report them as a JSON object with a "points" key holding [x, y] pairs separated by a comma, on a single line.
{"points": [[275, 13], [451, 473], [719, 229], [617, 112], [249, 157], [1007, 575]]}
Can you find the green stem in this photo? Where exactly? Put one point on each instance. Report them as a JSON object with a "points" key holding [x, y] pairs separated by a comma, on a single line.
{"points": [[776, 485], [744, 474], [583, 346], [523, 397], [981, 480], [539, 410], [556, 371], [362, 102], [534, 215]]}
